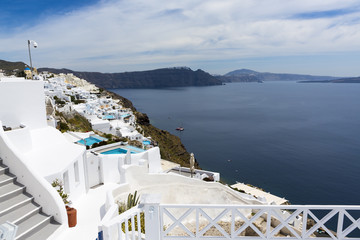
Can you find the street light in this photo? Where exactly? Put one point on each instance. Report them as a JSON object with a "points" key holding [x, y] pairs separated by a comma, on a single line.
{"points": [[34, 44]]}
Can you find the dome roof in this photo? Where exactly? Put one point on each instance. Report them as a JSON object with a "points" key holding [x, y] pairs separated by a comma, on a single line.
{"points": [[27, 68]]}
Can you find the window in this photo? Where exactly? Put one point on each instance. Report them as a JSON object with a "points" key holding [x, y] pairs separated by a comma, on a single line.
{"points": [[66, 182], [76, 171]]}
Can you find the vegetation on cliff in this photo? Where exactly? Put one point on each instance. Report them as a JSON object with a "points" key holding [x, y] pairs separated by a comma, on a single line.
{"points": [[16, 68], [170, 146], [72, 122]]}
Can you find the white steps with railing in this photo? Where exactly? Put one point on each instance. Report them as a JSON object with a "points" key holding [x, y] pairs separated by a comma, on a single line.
{"points": [[19, 208]]}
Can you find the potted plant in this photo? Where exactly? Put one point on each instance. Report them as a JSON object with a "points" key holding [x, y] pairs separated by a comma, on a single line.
{"points": [[71, 212]]}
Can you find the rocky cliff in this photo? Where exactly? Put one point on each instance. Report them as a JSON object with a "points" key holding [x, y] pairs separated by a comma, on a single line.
{"points": [[159, 78]]}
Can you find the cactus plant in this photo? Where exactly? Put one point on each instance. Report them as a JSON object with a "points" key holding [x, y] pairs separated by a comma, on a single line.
{"points": [[132, 201]]}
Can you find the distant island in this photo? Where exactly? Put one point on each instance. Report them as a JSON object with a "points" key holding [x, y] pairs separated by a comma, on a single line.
{"points": [[247, 75], [159, 78], [341, 80]]}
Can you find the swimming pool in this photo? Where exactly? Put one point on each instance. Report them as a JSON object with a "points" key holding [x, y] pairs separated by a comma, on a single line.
{"points": [[123, 150], [108, 117], [91, 140], [125, 115], [117, 151], [146, 142]]}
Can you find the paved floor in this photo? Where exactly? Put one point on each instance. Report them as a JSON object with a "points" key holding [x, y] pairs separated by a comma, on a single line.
{"points": [[167, 165], [90, 210], [257, 192]]}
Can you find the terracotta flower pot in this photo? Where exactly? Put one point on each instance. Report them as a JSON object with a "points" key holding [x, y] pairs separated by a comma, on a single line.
{"points": [[71, 212]]}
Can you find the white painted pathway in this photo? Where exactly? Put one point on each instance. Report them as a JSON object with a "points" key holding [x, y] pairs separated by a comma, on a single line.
{"points": [[259, 193], [90, 210]]}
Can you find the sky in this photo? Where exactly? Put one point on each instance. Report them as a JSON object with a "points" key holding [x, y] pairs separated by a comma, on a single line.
{"points": [[284, 36]]}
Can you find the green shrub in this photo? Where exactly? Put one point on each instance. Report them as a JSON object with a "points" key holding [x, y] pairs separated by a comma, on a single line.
{"points": [[58, 184], [64, 127], [79, 101]]}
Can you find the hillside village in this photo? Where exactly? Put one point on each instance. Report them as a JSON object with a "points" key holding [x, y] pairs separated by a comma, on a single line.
{"points": [[66, 93]]}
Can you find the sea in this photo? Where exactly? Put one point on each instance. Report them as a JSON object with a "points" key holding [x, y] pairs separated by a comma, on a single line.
{"points": [[300, 141]]}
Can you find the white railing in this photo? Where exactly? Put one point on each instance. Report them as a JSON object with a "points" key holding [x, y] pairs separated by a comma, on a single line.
{"points": [[218, 222], [232, 222], [126, 226]]}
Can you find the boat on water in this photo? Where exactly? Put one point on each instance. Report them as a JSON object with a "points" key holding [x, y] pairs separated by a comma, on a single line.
{"points": [[179, 129]]}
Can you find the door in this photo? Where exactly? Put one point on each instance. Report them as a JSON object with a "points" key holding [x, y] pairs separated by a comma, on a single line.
{"points": [[93, 168]]}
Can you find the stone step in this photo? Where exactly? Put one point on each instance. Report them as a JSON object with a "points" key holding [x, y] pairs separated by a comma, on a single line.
{"points": [[10, 190], [44, 232], [20, 214], [19, 207], [14, 203], [3, 169], [6, 178], [32, 225]]}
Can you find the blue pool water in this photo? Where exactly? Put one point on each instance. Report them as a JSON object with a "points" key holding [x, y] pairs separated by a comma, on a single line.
{"points": [[146, 142], [123, 150], [117, 151], [91, 140], [108, 117], [135, 149]]}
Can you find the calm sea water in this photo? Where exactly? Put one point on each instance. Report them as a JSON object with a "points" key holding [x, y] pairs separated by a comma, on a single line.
{"points": [[298, 141]]}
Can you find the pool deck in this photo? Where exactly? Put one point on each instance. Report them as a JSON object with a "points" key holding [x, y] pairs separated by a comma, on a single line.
{"points": [[259, 193], [168, 165]]}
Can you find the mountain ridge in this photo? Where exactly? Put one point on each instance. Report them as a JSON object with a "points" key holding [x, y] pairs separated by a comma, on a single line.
{"points": [[158, 78], [178, 77]]}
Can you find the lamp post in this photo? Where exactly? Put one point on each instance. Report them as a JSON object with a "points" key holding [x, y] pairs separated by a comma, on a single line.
{"points": [[31, 42]]}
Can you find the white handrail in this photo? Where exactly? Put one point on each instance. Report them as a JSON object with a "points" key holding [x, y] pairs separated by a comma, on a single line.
{"points": [[231, 222], [277, 219], [118, 227]]}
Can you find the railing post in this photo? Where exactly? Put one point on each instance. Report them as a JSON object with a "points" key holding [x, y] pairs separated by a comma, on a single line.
{"points": [[152, 216]]}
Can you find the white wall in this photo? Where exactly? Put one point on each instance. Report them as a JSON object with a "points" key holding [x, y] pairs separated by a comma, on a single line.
{"points": [[21, 137], [42, 191], [111, 164], [109, 167], [22, 102]]}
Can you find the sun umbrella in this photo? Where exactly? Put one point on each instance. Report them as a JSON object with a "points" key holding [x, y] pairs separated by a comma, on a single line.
{"points": [[192, 164], [128, 157]]}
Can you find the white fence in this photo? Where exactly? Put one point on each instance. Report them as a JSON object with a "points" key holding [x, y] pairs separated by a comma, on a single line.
{"points": [[232, 222], [126, 226], [258, 222]]}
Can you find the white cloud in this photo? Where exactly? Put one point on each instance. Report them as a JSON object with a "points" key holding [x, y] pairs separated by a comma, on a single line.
{"points": [[120, 35]]}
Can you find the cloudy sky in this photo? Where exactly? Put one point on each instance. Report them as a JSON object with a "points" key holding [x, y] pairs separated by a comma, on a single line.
{"points": [[298, 36]]}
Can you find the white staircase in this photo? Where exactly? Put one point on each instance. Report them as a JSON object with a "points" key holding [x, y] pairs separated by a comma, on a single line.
{"points": [[19, 208]]}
